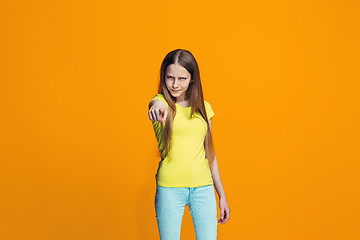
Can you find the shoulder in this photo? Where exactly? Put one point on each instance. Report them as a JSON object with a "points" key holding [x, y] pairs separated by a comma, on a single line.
{"points": [[208, 109], [207, 104]]}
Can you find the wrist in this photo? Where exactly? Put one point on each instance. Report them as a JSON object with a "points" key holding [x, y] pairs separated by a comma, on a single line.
{"points": [[222, 197]]}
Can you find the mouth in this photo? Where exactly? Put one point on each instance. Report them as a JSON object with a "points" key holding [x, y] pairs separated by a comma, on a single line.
{"points": [[175, 90]]}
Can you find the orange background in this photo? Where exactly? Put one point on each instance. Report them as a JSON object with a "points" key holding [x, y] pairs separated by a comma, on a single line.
{"points": [[79, 154]]}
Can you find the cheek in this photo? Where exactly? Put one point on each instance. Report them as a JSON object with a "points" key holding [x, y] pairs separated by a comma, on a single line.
{"points": [[167, 83], [186, 84]]}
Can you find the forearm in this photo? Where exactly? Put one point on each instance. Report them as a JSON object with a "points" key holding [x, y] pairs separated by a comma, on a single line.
{"points": [[216, 179]]}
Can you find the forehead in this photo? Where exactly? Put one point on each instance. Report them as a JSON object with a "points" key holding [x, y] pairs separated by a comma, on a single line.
{"points": [[176, 69]]}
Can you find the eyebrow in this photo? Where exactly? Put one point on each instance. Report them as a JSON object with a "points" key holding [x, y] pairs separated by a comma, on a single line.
{"points": [[172, 75]]}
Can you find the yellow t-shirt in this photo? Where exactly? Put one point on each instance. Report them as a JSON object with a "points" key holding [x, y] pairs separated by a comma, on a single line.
{"points": [[187, 165]]}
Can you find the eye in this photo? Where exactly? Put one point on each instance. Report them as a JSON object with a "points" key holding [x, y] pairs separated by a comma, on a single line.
{"points": [[183, 78], [169, 76]]}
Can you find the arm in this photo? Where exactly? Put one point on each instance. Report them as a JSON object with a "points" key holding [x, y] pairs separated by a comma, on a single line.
{"points": [[224, 206], [217, 179]]}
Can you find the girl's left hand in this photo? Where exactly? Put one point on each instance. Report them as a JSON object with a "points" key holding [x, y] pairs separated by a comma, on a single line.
{"points": [[224, 211]]}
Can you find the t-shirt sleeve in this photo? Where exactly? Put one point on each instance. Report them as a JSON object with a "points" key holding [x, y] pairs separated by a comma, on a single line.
{"points": [[159, 96], [209, 111]]}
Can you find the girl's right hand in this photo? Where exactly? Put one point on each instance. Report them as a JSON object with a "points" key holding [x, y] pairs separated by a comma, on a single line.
{"points": [[158, 111]]}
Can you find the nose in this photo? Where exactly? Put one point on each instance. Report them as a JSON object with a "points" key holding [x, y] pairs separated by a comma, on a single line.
{"points": [[175, 84]]}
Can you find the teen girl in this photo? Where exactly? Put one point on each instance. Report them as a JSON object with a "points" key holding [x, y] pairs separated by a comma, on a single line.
{"points": [[188, 169]]}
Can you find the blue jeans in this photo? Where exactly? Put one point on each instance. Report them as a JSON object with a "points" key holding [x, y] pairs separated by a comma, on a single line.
{"points": [[170, 204]]}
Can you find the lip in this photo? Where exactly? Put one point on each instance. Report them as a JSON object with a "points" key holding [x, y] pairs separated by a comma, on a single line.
{"points": [[175, 90]]}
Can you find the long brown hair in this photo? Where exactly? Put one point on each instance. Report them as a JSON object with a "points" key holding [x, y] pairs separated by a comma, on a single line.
{"points": [[194, 92]]}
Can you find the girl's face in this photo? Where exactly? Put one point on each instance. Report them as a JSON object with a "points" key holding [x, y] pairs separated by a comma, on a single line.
{"points": [[177, 80]]}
